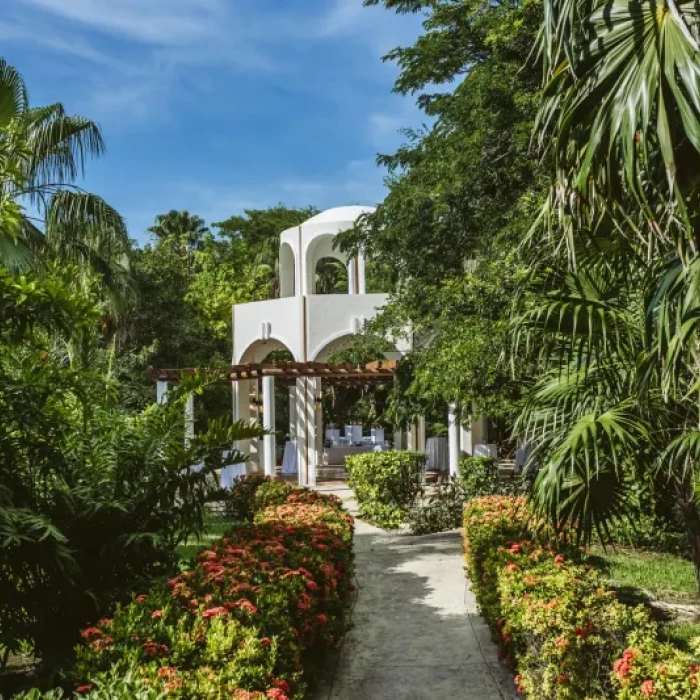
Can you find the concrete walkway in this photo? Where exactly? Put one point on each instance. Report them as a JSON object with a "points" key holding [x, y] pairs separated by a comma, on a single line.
{"points": [[416, 632]]}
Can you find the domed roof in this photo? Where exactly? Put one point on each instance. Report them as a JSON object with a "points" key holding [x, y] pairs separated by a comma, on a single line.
{"points": [[339, 214]]}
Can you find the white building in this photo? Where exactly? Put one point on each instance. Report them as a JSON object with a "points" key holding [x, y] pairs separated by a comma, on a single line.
{"points": [[310, 326]]}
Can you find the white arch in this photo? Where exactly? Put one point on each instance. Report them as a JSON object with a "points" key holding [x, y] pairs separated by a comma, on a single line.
{"points": [[287, 270], [317, 249], [258, 350]]}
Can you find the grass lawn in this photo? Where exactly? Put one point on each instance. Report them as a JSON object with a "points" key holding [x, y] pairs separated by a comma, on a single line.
{"points": [[640, 574], [664, 576], [214, 527]]}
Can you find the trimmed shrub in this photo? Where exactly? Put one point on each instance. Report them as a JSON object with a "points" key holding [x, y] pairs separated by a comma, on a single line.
{"points": [[552, 616], [386, 484], [253, 617]]}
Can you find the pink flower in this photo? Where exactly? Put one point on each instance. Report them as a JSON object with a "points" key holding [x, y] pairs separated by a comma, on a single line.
{"points": [[157, 614]]}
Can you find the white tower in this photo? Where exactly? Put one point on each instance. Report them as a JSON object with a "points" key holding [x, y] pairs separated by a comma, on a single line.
{"points": [[310, 326]]}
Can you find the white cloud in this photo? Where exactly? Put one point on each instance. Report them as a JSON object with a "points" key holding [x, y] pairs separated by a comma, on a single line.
{"points": [[165, 22]]}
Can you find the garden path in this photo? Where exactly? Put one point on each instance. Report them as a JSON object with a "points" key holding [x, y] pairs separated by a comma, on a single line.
{"points": [[416, 631]]}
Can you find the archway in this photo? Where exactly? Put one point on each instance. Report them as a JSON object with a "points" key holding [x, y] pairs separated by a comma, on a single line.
{"points": [[287, 271], [331, 277], [320, 249]]}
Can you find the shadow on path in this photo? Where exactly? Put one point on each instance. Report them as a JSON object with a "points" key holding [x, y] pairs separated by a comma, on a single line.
{"points": [[416, 631]]}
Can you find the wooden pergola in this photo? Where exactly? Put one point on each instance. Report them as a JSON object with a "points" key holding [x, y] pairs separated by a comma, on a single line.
{"points": [[287, 373]]}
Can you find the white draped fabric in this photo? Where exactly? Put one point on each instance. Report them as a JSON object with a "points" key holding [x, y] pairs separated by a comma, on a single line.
{"points": [[289, 458], [437, 451]]}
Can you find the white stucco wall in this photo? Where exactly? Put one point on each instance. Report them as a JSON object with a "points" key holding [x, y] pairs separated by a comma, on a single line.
{"points": [[284, 317], [330, 316]]}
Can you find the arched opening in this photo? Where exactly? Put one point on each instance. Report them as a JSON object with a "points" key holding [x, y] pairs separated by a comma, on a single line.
{"points": [[323, 259], [331, 277], [287, 271]]}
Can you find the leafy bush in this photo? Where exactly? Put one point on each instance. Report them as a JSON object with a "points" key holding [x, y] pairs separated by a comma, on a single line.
{"points": [[250, 620], [478, 476], [442, 511], [93, 499], [552, 615], [386, 484], [648, 669]]}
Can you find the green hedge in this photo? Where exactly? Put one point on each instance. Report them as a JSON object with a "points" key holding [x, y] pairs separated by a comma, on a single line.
{"points": [[252, 619], [555, 621], [386, 484]]}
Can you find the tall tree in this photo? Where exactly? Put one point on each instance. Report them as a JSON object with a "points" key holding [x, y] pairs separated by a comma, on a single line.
{"points": [[460, 190], [43, 152]]}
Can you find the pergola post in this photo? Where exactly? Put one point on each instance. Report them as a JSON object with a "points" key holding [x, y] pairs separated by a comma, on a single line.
{"points": [[420, 434], [453, 438], [241, 408], [302, 456], [269, 441], [398, 439], [312, 411], [189, 419]]}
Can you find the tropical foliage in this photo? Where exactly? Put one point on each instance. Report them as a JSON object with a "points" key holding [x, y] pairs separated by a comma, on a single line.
{"points": [[93, 500]]}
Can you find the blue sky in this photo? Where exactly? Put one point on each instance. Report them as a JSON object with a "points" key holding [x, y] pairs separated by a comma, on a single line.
{"points": [[219, 105]]}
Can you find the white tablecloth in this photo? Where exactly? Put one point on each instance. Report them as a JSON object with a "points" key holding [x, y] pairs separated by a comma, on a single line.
{"points": [[289, 458], [437, 450], [335, 456], [229, 475], [483, 450]]}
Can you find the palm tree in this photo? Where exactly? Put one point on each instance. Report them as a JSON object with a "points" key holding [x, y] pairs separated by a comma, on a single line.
{"points": [[42, 153], [616, 315], [185, 232]]}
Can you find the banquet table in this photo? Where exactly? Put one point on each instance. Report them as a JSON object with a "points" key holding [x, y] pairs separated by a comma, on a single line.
{"points": [[229, 475], [335, 456], [437, 451]]}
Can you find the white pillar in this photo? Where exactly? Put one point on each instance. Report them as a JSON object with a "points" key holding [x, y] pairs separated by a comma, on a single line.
{"points": [[189, 419], [161, 391], [453, 439], [269, 441], [398, 439], [361, 275], [255, 445], [302, 456], [420, 434], [352, 276], [312, 391]]}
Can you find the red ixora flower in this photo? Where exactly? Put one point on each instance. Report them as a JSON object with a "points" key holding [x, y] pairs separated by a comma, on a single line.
{"points": [[648, 689], [82, 689], [322, 619], [214, 612], [157, 614], [265, 641], [90, 632], [141, 598]]}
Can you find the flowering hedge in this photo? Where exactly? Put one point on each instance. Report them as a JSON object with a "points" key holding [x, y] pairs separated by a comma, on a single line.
{"points": [[555, 621], [249, 620]]}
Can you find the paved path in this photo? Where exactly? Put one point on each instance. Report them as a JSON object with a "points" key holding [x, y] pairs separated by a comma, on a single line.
{"points": [[416, 632]]}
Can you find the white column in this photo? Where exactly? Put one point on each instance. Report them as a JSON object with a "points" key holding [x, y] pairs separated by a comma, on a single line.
{"points": [[398, 439], [318, 429], [312, 428], [420, 434], [361, 275], [161, 391], [292, 413], [269, 441], [352, 277], [302, 456], [189, 419], [453, 438], [411, 437], [255, 445]]}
